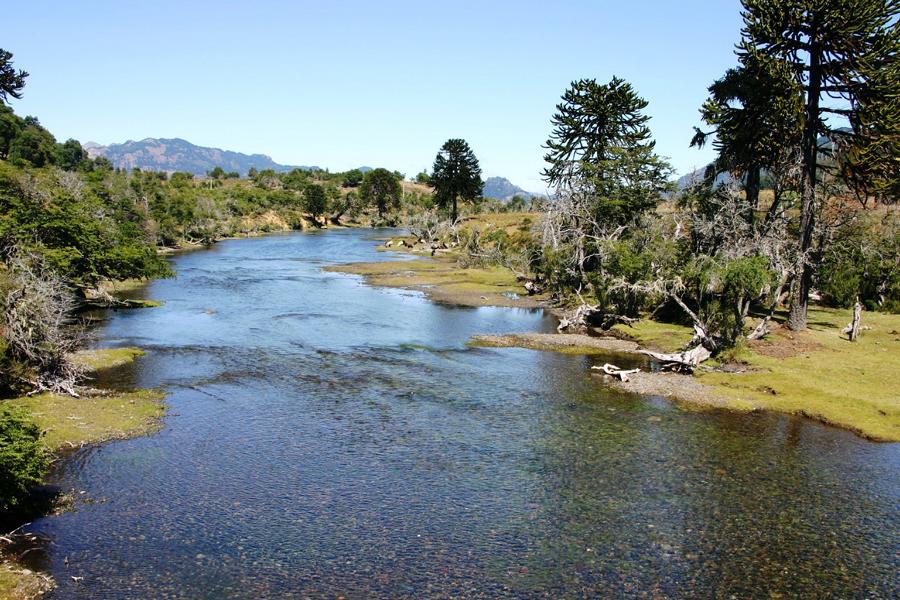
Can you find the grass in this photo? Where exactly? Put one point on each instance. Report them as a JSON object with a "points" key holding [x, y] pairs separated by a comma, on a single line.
{"points": [[817, 373], [444, 281], [822, 375], [554, 342], [662, 337], [106, 358], [22, 584], [68, 423], [73, 422]]}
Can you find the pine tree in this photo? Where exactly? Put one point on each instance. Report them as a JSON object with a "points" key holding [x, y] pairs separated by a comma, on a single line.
{"points": [[456, 175], [601, 141], [756, 114], [11, 82], [843, 54]]}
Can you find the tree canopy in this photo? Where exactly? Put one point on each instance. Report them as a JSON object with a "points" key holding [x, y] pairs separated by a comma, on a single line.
{"points": [[601, 145], [381, 188], [843, 55], [11, 81], [456, 175]]}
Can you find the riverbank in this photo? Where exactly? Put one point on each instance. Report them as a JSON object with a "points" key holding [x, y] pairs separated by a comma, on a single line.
{"points": [[68, 423], [442, 280], [817, 374]]}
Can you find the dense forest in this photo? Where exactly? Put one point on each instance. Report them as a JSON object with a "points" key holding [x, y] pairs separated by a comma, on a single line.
{"points": [[806, 125]]}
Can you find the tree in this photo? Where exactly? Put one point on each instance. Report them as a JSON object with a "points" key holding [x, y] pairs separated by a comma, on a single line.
{"points": [[10, 126], [456, 175], [11, 82], [70, 155], [382, 188], [315, 200], [216, 173], [423, 178], [843, 55], [34, 145], [601, 145], [757, 115], [252, 173], [353, 178], [23, 460]]}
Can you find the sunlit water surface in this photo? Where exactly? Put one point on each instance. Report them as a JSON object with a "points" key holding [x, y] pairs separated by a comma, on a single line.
{"points": [[328, 438]]}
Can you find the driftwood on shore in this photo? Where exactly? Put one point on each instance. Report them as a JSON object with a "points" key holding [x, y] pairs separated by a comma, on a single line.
{"points": [[587, 315], [685, 361], [615, 371]]}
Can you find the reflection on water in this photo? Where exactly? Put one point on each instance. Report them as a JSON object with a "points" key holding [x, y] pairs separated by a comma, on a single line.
{"points": [[328, 438]]}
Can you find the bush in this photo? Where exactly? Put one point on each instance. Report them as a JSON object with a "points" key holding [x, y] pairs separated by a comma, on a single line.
{"points": [[23, 460]]}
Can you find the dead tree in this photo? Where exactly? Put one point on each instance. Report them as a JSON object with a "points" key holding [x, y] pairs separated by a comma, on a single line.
{"points": [[852, 329]]}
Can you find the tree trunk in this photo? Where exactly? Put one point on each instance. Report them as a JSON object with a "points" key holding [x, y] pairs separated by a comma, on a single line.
{"points": [[852, 330], [800, 298], [453, 214], [752, 190]]}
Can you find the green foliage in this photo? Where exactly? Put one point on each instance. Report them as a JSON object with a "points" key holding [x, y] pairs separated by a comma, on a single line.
{"points": [[33, 146], [10, 127], [70, 155], [296, 180], [353, 178], [217, 173], [864, 262], [423, 178], [11, 81], [757, 112], [601, 144], [315, 200], [23, 460], [381, 188], [79, 235], [843, 55], [456, 175]]}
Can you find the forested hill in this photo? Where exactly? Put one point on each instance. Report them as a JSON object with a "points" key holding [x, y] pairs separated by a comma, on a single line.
{"points": [[180, 155]]}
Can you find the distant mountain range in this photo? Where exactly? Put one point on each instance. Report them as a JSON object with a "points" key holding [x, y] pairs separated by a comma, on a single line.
{"points": [[503, 189], [180, 155], [175, 154]]}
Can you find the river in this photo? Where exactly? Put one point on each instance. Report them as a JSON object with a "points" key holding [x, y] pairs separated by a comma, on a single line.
{"points": [[327, 438]]}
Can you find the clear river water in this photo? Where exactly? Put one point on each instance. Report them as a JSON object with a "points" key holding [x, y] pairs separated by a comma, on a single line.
{"points": [[326, 438]]}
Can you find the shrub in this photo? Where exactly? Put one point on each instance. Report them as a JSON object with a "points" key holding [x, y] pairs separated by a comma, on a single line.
{"points": [[23, 460]]}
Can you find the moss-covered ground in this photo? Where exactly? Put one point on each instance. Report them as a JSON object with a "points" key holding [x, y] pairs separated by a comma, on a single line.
{"points": [[106, 358], [442, 280], [818, 373]]}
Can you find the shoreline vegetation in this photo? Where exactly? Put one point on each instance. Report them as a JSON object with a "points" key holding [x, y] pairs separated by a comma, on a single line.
{"points": [[770, 374], [67, 424], [771, 281], [852, 387]]}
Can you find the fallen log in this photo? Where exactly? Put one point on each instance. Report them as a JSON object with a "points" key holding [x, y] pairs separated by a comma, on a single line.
{"points": [[615, 371], [685, 361]]}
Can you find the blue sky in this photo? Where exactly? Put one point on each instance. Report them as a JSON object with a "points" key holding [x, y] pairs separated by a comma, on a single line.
{"points": [[343, 84]]}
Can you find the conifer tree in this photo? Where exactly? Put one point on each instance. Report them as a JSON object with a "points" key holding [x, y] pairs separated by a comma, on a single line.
{"points": [[600, 141], [456, 175], [11, 81], [843, 54]]}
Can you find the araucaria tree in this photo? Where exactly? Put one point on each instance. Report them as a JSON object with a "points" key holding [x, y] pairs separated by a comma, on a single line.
{"points": [[381, 188], [844, 56], [601, 143], [456, 175], [757, 116], [602, 164], [11, 81]]}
